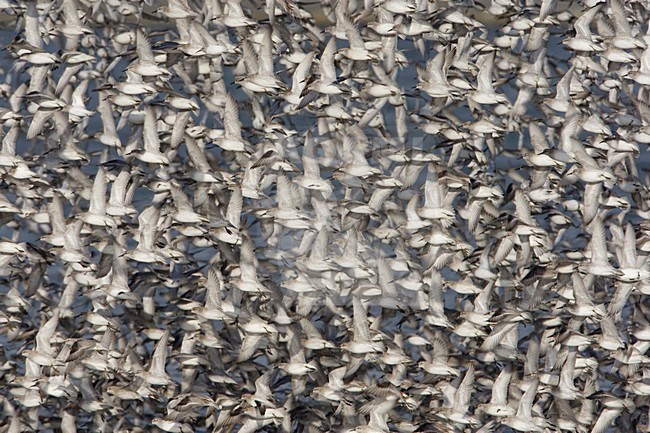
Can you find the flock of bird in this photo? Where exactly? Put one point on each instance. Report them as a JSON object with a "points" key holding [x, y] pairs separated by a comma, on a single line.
{"points": [[389, 215]]}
